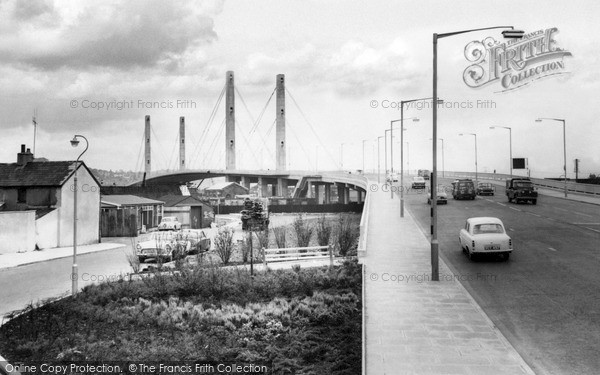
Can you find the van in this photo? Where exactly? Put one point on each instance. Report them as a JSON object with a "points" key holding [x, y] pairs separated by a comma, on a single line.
{"points": [[463, 189]]}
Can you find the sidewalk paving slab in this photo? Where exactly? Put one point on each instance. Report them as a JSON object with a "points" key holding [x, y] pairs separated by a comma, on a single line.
{"points": [[20, 259], [417, 326]]}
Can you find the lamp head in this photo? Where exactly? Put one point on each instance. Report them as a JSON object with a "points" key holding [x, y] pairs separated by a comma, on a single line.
{"points": [[492, 127], [74, 142], [513, 34], [461, 134], [416, 119], [538, 120]]}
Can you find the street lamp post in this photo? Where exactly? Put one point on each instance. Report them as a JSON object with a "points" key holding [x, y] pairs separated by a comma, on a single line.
{"points": [[564, 144], [443, 167], [510, 145], [74, 272], [475, 135], [379, 160], [509, 33], [363, 152], [408, 157]]}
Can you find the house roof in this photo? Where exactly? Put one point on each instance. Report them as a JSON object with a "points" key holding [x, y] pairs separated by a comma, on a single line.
{"points": [[222, 185], [39, 173], [182, 200], [126, 200]]}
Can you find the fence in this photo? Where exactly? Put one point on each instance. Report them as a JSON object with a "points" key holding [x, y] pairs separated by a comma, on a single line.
{"points": [[298, 253], [364, 227], [294, 208]]}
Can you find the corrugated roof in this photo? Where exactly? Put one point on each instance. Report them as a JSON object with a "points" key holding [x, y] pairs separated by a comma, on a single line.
{"points": [[182, 200], [37, 173], [127, 200]]}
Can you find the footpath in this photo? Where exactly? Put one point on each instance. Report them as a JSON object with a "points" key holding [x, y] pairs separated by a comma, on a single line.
{"points": [[413, 325]]}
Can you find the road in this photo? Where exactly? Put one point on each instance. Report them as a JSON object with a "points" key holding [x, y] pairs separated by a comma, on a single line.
{"points": [[546, 298], [38, 281]]}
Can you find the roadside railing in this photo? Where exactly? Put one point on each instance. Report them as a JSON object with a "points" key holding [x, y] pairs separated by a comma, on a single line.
{"points": [[364, 226], [298, 253]]}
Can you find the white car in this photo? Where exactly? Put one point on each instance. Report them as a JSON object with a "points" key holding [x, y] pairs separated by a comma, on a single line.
{"points": [[169, 223], [441, 197], [392, 177], [163, 246], [418, 183], [485, 235]]}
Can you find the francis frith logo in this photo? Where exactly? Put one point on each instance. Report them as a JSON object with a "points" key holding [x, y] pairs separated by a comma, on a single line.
{"points": [[514, 63]]}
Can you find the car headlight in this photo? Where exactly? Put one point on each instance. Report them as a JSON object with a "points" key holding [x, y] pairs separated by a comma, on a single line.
{"points": [[138, 246]]}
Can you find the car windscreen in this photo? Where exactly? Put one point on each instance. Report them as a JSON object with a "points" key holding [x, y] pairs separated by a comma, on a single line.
{"points": [[487, 228], [465, 184], [523, 184]]}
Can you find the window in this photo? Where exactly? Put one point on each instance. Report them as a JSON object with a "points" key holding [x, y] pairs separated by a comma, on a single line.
{"points": [[487, 228], [22, 195]]}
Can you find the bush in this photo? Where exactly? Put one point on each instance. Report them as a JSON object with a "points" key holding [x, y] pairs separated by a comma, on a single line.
{"points": [[280, 233], [346, 235], [224, 244], [323, 231], [303, 231]]}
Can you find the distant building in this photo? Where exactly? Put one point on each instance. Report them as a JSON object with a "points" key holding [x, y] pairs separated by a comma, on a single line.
{"points": [[129, 215], [191, 211], [227, 190], [36, 204]]}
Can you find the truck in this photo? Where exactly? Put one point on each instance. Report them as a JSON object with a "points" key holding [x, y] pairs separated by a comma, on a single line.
{"points": [[521, 190], [255, 215], [424, 173], [463, 189]]}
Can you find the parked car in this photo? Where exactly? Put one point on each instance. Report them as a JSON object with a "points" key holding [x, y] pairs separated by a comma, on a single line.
{"points": [[521, 190], [199, 242], [441, 197], [169, 223], [485, 235], [463, 189], [418, 183], [163, 246], [392, 177], [485, 188]]}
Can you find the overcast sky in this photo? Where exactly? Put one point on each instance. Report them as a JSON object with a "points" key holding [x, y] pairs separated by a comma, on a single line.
{"points": [[340, 58]]}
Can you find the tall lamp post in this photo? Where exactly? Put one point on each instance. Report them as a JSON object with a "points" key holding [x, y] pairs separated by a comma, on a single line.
{"points": [[74, 272], [475, 135], [510, 145], [509, 32], [342, 156], [564, 144], [443, 167], [379, 160], [363, 152], [408, 157]]}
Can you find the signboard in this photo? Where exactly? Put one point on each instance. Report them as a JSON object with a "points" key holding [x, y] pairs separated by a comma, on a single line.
{"points": [[519, 163], [516, 62]]}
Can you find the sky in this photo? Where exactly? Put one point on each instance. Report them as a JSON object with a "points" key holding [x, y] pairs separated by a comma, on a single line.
{"points": [[96, 68]]}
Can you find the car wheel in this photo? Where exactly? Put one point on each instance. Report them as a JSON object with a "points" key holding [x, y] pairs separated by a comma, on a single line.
{"points": [[534, 201], [506, 256]]}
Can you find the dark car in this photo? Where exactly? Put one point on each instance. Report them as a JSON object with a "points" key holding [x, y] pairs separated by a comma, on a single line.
{"points": [[485, 188], [463, 189], [521, 190]]}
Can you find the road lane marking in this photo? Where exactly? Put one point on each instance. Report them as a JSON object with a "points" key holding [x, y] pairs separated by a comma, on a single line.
{"points": [[586, 223], [489, 200], [573, 212], [595, 230], [531, 213], [516, 209], [510, 229], [501, 204], [551, 248]]}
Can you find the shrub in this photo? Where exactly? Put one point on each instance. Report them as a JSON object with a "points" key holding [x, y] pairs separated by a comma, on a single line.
{"points": [[323, 231], [224, 244], [303, 231], [244, 247], [280, 233], [346, 235]]}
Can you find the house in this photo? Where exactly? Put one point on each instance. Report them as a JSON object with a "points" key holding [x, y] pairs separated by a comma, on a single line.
{"points": [[129, 215], [191, 211], [227, 190], [37, 204]]}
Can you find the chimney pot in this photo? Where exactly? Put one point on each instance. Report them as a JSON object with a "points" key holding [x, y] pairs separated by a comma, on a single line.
{"points": [[22, 148]]}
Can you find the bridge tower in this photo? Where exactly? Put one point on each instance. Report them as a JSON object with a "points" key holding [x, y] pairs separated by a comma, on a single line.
{"points": [[280, 144], [229, 121], [147, 154], [182, 143]]}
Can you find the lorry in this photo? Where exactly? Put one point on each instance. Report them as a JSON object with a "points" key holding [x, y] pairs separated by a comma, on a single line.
{"points": [[424, 173], [463, 189], [521, 190]]}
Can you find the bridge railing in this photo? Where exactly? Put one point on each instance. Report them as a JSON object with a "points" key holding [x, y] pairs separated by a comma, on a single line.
{"points": [[364, 226], [573, 187]]}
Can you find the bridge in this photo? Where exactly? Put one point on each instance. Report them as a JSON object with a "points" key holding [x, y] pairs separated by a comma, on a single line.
{"points": [[279, 182]]}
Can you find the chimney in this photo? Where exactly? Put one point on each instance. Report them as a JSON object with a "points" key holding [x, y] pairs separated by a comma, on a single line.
{"points": [[24, 157]]}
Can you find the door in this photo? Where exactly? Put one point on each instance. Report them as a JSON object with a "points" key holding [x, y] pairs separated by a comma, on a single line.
{"points": [[196, 217]]}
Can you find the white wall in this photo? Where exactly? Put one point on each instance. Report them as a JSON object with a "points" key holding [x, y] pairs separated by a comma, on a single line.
{"points": [[88, 211], [17, 231], [46, 229]]}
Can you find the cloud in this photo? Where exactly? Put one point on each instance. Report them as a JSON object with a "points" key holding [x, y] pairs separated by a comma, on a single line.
{"points": [[353, 69], [119, 35]]}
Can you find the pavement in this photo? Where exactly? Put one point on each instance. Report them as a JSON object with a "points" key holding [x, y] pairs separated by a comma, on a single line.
{"points": [[413, 325], [19, 259]]}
